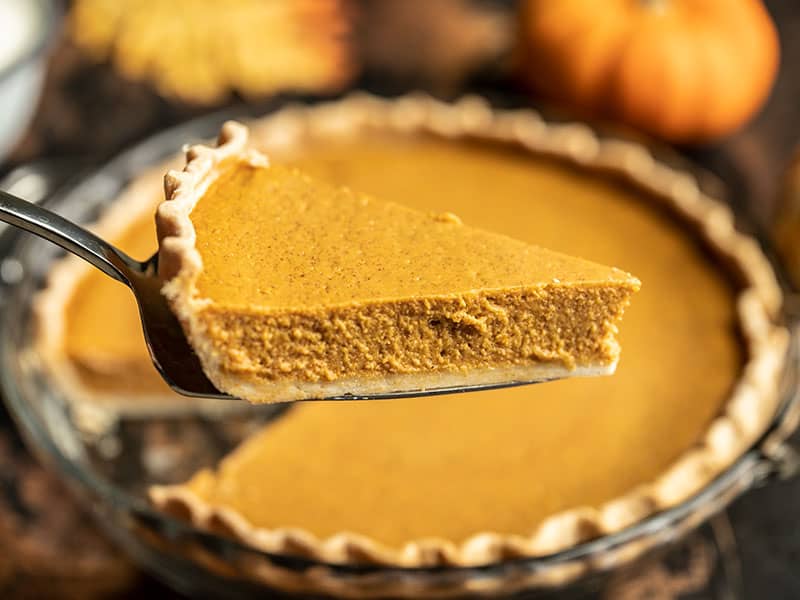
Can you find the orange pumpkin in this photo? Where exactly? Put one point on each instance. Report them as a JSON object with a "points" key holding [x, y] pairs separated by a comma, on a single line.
{"points": [[684, 70]]}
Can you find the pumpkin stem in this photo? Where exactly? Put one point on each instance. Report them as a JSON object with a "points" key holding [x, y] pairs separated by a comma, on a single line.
{"points": [[658, 6]]}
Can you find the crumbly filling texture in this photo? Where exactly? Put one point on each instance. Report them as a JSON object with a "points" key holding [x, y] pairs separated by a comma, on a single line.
{"points": [[563, 325]]}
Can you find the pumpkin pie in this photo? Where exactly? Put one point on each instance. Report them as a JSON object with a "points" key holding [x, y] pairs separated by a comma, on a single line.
{"points": [[462, 479], [289, 288]]}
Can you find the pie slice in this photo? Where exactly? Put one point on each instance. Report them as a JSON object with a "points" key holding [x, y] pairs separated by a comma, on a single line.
{"points": [[291, 288]]}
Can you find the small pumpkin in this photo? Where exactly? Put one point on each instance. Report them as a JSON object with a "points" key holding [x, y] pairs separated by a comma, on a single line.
{"points": [[683, 70]]}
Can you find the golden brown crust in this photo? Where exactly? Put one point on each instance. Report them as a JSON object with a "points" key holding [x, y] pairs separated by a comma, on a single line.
{"points": [[748, 412]]}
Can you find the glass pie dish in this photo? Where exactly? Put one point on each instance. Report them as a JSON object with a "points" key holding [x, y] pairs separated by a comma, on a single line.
{"points": [[112, 469]]}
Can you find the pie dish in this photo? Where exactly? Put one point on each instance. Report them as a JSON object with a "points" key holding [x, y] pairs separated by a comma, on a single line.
{"points": [[290, 288], [529, 471]]}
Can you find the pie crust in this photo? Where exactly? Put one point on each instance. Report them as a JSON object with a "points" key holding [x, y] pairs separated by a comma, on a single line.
{"points": [[741, 421]]}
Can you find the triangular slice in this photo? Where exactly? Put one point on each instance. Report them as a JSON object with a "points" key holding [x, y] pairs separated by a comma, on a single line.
{"points": [[290, 288]]}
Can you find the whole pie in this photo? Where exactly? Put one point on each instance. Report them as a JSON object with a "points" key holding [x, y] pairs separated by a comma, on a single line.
{"points": [[515, 472], [289, 287]]}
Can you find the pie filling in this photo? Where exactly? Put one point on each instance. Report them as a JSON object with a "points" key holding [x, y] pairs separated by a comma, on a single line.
{"points": [[297, 288]]}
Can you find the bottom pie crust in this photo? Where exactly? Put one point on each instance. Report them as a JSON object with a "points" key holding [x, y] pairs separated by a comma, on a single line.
{"points": [[742, 420], [415, 384]]}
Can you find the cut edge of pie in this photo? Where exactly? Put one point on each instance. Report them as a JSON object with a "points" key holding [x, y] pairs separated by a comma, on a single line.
{"points": [[583, 345], [745, 416]]}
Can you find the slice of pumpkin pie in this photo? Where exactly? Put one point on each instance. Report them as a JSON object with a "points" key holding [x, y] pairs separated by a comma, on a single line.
{"points": [[291, 288]]}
